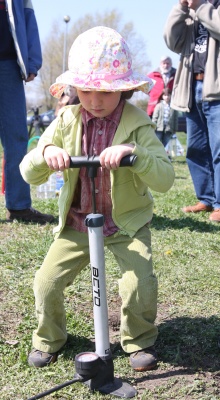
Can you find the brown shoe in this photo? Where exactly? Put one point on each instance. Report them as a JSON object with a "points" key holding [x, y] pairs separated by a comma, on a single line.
{"points": [[29, 215], [144, 360], [39, 359], [215, 215], [197, 208]]}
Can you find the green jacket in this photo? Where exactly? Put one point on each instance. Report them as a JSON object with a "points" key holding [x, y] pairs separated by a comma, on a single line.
{"points": [[132, 204], [179, 35]]}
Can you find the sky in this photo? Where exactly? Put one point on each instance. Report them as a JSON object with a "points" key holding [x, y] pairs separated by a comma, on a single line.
{"points": [[148, 17]]}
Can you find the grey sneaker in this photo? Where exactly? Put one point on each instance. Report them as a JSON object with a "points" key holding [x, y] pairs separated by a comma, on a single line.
{"points": [[29, 215], [39, 359], [144, 360]]}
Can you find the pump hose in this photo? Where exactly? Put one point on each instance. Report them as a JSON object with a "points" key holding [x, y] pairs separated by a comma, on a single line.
{"points": [[56, 388]]}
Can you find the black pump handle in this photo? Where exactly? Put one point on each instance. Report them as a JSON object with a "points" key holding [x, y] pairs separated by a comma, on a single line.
{"points": [[93, 161]]}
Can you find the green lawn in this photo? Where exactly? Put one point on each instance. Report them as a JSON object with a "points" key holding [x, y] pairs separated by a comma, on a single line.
{"points": [[186, 253]]}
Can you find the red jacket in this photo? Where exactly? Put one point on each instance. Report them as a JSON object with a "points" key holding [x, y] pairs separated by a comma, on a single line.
{"points": [[156, 91]]}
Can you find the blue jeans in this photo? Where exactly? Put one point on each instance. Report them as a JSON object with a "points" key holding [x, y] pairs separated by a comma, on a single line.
{"points": [[164, 136], [13, 134], [203, 147]]}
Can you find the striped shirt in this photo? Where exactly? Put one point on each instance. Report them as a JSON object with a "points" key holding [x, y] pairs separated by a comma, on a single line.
{"points": [[98, 133], [166, 113]]}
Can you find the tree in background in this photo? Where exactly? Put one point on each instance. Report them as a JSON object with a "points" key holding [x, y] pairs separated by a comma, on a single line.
{"points": [[52, 50]]}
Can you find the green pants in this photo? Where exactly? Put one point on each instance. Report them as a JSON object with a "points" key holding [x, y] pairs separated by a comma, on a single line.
{"points": [[67, 256]]}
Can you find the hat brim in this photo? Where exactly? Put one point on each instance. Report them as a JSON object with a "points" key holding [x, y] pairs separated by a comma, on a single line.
{"points": [[135, 81]]}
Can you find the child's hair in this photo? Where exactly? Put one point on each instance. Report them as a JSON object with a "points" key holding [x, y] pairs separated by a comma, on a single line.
{"points": [[127, 95], [165, 92], [68, 89]]}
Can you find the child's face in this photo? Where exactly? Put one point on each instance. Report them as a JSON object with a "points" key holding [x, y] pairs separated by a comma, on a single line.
{"points": [[166, 98], [99, 104]]}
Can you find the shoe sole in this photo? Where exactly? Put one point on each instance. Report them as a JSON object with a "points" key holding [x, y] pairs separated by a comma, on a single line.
{"points": [[142, 369]]}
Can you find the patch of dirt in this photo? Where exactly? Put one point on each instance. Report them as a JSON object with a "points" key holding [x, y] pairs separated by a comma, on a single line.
{"points": [[6, 232], [9, 320], [170, 373]]}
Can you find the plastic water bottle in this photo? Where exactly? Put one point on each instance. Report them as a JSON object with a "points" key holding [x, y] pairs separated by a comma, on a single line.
{"points": [[173, 146], [47, 190], [59, 181]]}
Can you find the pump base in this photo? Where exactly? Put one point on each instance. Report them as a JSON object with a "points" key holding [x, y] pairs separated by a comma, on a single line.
{"points": [[119, 389], [100, 376]]}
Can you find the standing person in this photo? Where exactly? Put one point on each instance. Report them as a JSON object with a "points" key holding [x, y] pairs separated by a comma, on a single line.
{"points": [[192, 29], [164, 78], [104, 124], [20, 60], [165, 118]]}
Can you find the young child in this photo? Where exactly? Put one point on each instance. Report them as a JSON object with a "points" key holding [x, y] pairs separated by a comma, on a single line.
{"points": [[104, 124], [165, 118]]}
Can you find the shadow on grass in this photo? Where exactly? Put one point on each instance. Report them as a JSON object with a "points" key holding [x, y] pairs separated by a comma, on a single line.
{"points": [[184, 342], [187, 345], [75, 345], [181, 162], [191, 343], [160, 222]]}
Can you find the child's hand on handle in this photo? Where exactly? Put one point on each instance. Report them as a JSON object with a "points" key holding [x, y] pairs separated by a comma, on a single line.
{"points": [[110, 158], [56, 158]]}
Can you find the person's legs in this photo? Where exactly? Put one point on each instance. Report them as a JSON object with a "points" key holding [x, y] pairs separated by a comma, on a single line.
{"points": [[159, 134], [212, 113], [14, 139], [68, 254], [198, 156], [166, 137], [138, 291], [14, 134], [137, 288]]}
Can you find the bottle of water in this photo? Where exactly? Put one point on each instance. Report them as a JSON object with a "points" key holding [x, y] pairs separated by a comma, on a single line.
{"points": [[59, 181], [47, 190], [173, 145]]}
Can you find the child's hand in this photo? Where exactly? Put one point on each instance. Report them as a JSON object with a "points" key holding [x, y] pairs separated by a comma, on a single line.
{"points": [[110, 157], [56, 158]]}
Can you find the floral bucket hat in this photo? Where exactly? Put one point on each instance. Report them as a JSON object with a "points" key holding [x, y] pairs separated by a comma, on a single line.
{"points": [[100, 60]]}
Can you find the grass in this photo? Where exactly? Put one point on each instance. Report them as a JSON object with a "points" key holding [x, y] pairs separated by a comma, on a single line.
{"points": [[186, 250]]}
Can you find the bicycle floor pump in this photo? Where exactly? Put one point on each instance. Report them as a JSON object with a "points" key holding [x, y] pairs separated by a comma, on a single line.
{"points": [[98, 366], [96, 369]]}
